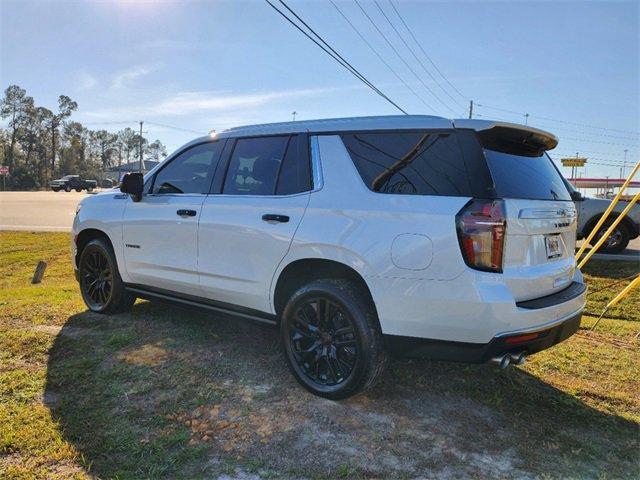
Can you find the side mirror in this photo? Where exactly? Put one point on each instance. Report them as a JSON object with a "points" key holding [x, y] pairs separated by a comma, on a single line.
{"points": [[133, 184], [576, 196]]}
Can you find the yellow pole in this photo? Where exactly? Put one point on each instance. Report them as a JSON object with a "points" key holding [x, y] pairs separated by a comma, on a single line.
{"points": [[605, 215], [620, 296], [604, 237]]}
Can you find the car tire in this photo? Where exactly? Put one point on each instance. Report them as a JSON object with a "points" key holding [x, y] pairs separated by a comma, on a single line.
{"points": [[78, 189], [101, 286], [67, 189], [55, 189], [618, 240], [343, 354]]}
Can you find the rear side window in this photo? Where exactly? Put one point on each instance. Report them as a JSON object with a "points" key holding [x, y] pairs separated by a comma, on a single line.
{"points": [[533, 178], [268, 166], [413, 163]]}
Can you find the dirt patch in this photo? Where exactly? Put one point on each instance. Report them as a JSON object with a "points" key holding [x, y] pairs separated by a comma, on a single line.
{"points": [[150, 355], [50, 329]]}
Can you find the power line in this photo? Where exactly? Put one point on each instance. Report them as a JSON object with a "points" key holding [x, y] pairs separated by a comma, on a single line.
{"points": [[584, 125], [593, 134], [328, 50], [590, 157], [587, 151], [425, 53], [564, 129], [585, 140], [124, 122], [394, 49], [378, 55], [417, 59], [164, 125]]}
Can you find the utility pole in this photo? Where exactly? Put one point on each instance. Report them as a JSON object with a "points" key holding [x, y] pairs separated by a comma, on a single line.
{"points": [[119, 162], [294, 113], [526, 119], [624, 168], [141, 166], [470, 109]]}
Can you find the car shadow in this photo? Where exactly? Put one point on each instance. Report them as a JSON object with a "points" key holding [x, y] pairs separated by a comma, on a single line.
{"points": [[164, 392]]}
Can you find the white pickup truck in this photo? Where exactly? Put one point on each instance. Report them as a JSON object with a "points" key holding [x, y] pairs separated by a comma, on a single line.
{"points": [[591, 209]]}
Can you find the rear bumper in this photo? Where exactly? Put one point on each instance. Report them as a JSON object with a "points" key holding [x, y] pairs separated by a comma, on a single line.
{"points": [[536, 340]]}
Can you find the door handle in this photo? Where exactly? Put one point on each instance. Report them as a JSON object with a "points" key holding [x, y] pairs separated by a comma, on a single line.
{"points": [[272, 217], [186, 213]]}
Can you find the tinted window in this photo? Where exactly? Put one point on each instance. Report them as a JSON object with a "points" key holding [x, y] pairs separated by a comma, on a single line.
{"points": [[533, 178], [418, 163], [189, 172], [254, 166], [295, 174]]}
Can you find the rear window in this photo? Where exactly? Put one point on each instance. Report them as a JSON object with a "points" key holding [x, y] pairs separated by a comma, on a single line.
{"points": [[412, 163], [533, 178]]}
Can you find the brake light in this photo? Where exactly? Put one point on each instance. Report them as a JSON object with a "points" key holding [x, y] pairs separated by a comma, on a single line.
{"points": [[481, 226]]}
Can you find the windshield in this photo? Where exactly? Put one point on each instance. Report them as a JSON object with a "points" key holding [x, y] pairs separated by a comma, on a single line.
{"points": [[517, 176]]}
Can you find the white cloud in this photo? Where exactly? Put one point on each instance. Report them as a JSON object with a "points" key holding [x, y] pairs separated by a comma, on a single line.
{"points": [[202, 102], [124, 78], [190, 102], [86, 81]]}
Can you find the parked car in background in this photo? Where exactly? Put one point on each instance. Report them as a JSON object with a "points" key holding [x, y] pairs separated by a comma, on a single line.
{"points": [[72, 182], [108, 183], [357, 237], [590, 210]]}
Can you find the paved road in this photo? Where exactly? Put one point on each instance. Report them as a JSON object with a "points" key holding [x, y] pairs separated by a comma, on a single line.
{"points": [[38, 211], [54, 211]]}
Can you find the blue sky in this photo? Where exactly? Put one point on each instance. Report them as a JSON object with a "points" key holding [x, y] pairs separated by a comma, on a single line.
{"points": [[212, 65]]}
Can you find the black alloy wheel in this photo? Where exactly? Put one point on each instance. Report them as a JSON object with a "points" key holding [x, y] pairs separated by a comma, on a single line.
{"points": [[100, 283], [96, 277], [331, 338], [323, 341]]}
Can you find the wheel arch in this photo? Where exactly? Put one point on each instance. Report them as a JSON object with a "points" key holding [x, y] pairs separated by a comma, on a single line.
{"points": [[85, 236], [303, 270]]}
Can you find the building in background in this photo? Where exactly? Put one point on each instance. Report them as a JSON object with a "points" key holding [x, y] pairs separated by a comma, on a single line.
{"points": [[116, 173]]}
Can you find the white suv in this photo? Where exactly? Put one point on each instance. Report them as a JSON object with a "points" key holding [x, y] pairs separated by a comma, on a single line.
{"points": [[357, 237]]}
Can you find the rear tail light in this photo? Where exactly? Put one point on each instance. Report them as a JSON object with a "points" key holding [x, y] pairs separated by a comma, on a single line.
{"points": [[481, 229]]}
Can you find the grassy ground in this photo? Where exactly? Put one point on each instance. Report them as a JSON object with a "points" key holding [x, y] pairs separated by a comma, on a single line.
{"points": [[168, 393]]}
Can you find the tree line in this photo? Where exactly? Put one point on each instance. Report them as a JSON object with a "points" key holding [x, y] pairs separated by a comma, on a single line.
{"points": [[38, 144]]}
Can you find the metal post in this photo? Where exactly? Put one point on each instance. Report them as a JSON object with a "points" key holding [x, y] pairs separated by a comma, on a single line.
{"points": [[141, 168], [624, 168]]}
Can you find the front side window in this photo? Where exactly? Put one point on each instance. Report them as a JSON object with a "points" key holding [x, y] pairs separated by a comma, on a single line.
{"points": [[189, 172], [413, 163], [255, 165]]}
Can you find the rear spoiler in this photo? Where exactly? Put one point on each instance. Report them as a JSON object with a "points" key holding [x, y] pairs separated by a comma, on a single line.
{"points": [[510, 137]]}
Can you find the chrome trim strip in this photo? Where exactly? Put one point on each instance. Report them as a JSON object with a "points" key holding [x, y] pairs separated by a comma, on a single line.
{"points": [[316, 166], [547, 213]]}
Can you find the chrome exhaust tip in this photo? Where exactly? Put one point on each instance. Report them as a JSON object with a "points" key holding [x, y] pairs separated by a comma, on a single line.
{"points": [[519, 357], [503, 361]]}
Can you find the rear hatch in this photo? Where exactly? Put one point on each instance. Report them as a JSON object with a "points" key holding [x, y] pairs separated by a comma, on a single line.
{"points": [[540, 216]]}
